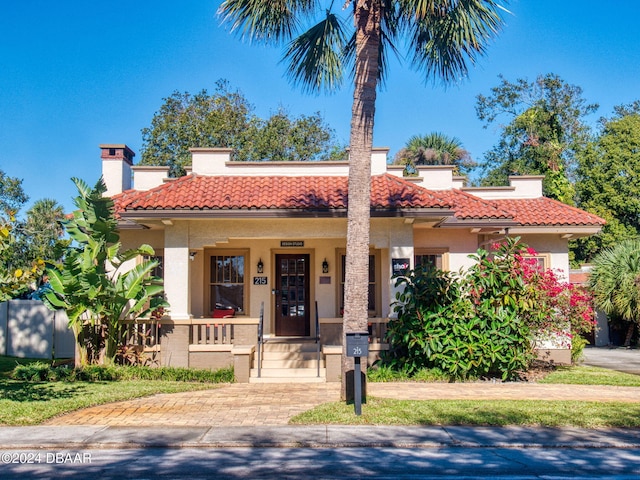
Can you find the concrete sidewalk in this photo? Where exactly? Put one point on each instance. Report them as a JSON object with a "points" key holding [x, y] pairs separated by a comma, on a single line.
{"points": [[324, 436]]}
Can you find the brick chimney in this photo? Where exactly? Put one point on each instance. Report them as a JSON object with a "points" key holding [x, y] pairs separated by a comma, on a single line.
{"points": [[117, 160]]}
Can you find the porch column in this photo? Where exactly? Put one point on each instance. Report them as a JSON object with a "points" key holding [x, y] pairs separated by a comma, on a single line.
{"points": [[401, 247], [177, 270]]}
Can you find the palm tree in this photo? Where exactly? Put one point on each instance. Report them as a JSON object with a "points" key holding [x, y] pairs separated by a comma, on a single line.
{"points": [[43, 231], [615, 282], [434, 149], [442, 37]]}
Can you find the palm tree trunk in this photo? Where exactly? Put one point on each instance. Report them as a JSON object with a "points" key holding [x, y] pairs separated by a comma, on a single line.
{"points": [[627, 340], [367, 20]]}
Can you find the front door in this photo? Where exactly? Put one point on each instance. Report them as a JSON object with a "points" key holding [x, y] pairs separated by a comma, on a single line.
{"points": [[292, 295]]}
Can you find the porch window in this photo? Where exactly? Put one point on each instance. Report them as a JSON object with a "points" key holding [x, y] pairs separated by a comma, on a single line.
{"points": [[433, 258], [374, 284], [542, 260], [227, 282], [158, 270]]}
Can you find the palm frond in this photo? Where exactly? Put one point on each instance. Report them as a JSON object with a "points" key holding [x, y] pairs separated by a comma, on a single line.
{"points": [[451, 36], [615, 280], [315, 58], [265, 20]]}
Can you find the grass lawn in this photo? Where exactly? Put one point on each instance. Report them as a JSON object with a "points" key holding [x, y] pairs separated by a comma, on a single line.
{"points": [[30, 403], [491, 412], [470, 412], [583, 375]]}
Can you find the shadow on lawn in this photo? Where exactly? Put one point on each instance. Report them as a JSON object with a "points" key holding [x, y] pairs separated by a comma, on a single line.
{"points": [[17, 391]]}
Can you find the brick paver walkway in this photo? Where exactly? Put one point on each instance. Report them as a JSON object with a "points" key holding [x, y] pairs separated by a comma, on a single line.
{"points": [[275, 404]]}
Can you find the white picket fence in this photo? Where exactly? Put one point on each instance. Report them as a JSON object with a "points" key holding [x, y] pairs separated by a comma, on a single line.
{"points": [[28, 329]]}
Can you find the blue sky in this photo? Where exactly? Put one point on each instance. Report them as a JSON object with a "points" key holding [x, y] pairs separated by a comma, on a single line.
{"points": [[77, 73]]}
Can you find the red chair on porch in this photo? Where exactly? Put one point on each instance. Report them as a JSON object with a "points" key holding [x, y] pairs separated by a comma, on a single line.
{"points": [[223, 313]]}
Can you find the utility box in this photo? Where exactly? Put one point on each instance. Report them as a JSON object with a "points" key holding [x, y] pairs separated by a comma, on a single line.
{"points": [[358, 344]]}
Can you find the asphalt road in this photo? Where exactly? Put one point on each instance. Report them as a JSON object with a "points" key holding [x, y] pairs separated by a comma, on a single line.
{"points": [[325, 463], [616, 358]]}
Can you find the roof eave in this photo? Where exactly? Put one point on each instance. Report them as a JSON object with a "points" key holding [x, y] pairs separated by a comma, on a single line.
{"points": [[566, 231], [477, 223], [185, 214]]}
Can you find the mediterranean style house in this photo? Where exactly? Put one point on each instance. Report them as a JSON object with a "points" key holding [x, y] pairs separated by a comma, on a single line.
{"points": [[252, 254]]}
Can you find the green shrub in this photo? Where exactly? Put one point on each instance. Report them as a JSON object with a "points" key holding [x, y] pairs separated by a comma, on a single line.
{"points": [[384, 373], [469, 326], [577, 348], [429, 375], [487, 320], [40, 371], [33, 372]]}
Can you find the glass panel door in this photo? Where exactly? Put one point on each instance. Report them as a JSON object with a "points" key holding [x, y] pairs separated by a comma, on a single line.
{"points": [[292, 295]]}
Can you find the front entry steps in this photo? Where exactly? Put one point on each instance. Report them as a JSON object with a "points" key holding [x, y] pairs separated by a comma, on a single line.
{"points": [[288, 361]]}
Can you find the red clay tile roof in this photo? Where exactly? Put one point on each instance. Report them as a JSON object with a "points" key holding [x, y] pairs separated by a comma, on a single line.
{"points": [[195, 192], [467, 206], [199, 192], [547, 212]]}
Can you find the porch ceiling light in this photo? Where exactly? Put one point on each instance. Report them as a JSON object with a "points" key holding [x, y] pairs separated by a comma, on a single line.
{"points": [[325, 266], [260, 266]]}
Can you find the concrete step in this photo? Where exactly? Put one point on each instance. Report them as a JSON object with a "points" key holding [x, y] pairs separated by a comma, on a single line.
{"points": [[289, 363], [288, 375], [290, 355], [279, 346], [287, 380], [289, 372]]}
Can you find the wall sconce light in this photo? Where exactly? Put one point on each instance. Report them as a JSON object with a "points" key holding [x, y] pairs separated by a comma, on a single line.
{"points": [[260, 266], [325, 266], [192, 255]]}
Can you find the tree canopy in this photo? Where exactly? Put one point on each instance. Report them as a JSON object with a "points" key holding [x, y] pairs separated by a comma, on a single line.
{"points": [[608, 183], [12, 196], [226, 119], [545, 128], [25, 244]]}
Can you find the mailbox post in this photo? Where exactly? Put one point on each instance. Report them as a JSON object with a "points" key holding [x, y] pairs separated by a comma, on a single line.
{"points": [[357, 346]]}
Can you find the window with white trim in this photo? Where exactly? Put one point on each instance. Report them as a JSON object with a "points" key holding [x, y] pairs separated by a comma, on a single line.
{"points": [[227, 281], [373, 301], [434, 258]]}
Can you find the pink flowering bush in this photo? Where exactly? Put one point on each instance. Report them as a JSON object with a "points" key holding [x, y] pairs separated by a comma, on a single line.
{"points": [[555, 310], [488, 320]]}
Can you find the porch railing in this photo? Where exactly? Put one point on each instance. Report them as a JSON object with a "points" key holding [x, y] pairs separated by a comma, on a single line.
{"points": [[318, 339], [141, 332], [260, 339], [218, 333]]}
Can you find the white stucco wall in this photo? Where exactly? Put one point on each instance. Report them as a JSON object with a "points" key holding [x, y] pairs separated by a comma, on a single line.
{"points": [[177, 269], [116, 175], [148, 177], [459, 243]]}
